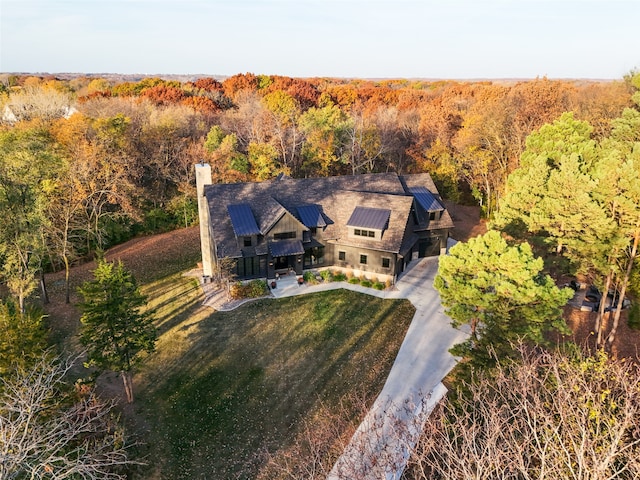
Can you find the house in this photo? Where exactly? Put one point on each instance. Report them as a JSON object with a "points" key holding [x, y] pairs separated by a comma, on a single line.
{"points": [[8, 116], [371, 224], [13, 113]]}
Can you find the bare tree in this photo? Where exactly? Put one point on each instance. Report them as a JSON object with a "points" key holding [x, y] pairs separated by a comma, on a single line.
{"points": [[226, 273], [545, 417], [44, 435], [40, 101]]}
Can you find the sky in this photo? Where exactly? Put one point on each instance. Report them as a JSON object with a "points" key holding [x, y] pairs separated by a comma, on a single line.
{"points": [[447, 39]]}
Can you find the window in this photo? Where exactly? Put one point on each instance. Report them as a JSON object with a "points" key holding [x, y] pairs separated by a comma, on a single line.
{"points": [[306, 236], [284, 235], [364, 233], [251, 267], [247, 241], [386, 262], [363, 259], [342, 256], [313, 256]]}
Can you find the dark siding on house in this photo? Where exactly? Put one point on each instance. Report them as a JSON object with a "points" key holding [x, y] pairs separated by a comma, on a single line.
{"points": [[288, 223], [374, 259]]}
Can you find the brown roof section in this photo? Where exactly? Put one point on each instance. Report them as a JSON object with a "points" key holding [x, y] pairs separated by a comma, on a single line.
{"points": [[336, 197], [343, 204]]}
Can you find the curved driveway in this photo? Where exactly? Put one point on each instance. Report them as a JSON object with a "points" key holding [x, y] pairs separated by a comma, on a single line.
{"points": [[380, 446]]}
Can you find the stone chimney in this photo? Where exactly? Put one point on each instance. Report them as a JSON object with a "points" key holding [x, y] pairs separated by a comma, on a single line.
{"points": [[203, 177]]}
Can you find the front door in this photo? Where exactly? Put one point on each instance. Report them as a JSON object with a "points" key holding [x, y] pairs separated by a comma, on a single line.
{"points": [[281, 263]]}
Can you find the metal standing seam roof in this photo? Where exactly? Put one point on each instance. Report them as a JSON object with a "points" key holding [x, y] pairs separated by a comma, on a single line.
{"points": [[311, 217], [284, 248], [242, 220], [367, 217], [426, 199]]}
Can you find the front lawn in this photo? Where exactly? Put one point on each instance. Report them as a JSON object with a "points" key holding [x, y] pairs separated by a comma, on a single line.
{"points": [[224, 386]]}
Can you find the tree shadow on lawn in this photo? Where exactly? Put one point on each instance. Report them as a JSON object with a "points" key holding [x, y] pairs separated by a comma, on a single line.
{"points": [[173, 300], [243, 380]]}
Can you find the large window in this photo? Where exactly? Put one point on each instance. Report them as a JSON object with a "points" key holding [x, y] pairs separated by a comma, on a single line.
{"points": [[342, 256], [314, 256], [252, 267], [363, 259], [284, 235]]}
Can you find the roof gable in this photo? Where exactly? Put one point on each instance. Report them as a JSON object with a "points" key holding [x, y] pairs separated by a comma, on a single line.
{"points": [[275, 211], [270, 212]]}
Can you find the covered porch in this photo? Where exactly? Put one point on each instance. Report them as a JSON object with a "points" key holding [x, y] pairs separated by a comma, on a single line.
{"points": [[285, 257]]}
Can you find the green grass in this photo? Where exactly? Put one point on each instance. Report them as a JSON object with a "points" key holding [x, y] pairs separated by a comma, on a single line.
{"points": [[224, 386]]}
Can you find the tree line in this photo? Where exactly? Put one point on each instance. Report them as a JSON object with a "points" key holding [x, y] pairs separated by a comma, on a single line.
{"points": [[86, 163]]}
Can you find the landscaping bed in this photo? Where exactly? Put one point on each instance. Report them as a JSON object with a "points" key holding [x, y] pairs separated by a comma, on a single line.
{"points": [[313, 277]]}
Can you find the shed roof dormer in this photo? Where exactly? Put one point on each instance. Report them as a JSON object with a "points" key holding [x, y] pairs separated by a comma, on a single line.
{"points": [[367, 217], [242, 220], [368, 222]]}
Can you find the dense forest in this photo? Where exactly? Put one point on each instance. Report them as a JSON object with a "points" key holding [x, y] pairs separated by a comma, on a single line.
{"points": [[88, 162], [95, 163]]}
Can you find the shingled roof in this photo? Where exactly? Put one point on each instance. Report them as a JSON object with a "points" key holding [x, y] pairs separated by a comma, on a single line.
{"points": [[343, 203], [316, 200]]}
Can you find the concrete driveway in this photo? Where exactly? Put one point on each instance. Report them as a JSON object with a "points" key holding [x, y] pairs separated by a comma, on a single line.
{"points": [[380, 447]]}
